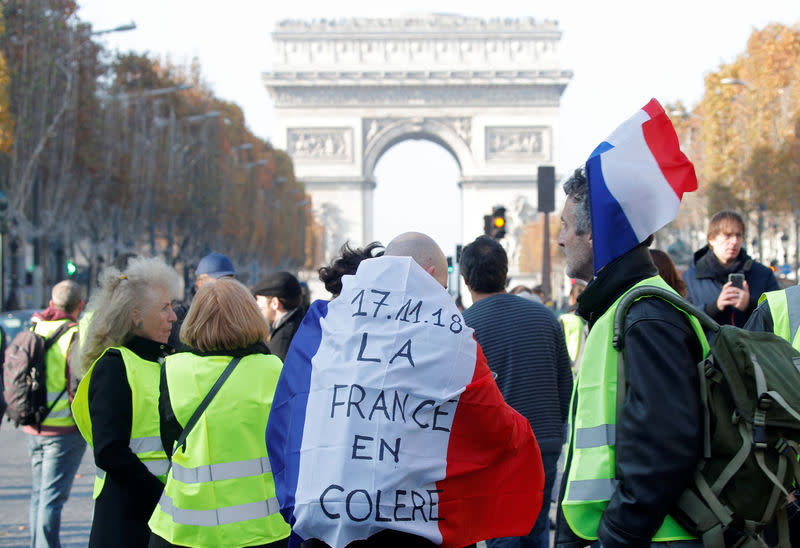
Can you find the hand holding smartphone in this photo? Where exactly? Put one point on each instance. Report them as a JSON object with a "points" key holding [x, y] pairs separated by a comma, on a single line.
{"points": [[736, 279]]}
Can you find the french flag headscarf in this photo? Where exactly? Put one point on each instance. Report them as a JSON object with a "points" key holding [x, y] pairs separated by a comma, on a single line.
{"points": [[386, 416], [637, 177]]}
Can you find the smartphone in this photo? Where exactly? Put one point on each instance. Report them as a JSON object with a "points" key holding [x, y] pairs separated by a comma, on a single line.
{"points": [[737, 279]]}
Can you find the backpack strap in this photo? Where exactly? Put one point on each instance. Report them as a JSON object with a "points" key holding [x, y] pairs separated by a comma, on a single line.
{"points": [[674, 299], [710, 516], [782, 520], [48, 343], [735, 463], [55, 335], [181, 441], [618, 339]]}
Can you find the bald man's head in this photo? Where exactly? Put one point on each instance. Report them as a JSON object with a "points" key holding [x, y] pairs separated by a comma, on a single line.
{"points": [[423, 250]]}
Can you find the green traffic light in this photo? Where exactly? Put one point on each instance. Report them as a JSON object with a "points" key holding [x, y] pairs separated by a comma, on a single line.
{"points": [[71, 268]]}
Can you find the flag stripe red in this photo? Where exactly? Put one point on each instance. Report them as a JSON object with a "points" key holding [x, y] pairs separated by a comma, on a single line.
{"points": [[495, 478], [661, 139]]}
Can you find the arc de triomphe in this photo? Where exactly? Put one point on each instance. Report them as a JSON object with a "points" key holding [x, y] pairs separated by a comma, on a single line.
{"points": [[487, 90]]}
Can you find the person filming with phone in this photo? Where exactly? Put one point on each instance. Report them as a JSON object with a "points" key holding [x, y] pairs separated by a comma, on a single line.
{"points": [[723, 279]]}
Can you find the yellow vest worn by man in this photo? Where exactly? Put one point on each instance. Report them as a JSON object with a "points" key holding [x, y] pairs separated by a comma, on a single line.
{"points": [[143, 378], [56, 373], [784, 306], [591, 479], [220, 490], [573, 335]]}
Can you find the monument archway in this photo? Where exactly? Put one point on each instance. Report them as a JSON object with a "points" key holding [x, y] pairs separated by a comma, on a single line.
{"points": [[487, 90]]}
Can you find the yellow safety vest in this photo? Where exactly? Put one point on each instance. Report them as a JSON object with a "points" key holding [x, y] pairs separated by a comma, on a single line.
{"points": [[784, 305], [573, 329], [592, 431], [56, 373], [220, 490], [143, 378]]}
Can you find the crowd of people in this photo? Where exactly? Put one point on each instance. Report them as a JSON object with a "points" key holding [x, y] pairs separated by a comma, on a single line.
{"points": [[386, 416]]}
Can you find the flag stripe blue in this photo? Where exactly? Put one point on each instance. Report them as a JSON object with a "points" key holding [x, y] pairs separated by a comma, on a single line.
{"points": [[607, 218], [631, 196], [285, 429]]}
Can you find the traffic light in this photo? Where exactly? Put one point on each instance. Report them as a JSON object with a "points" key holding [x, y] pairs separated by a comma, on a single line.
{"points": [[449, 265], [71, 267], [494, 225]]}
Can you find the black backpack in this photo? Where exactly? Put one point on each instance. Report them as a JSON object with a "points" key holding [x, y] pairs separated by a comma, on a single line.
{"points": [[750, 393], [24, 369]]}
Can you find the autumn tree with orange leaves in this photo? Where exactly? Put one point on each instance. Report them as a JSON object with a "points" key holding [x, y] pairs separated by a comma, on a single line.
{"points": [[101, 155], [743, 136]]}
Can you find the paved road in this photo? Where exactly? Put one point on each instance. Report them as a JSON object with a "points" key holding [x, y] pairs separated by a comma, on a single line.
{"points": [[15, 488]]}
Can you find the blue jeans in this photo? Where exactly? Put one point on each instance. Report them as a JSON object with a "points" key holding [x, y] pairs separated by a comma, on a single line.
{"points": [[54, 463], [539, 537]]}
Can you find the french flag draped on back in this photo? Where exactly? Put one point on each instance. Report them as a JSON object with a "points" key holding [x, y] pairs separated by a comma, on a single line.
{"points": [[386, 416], [637, 178]]}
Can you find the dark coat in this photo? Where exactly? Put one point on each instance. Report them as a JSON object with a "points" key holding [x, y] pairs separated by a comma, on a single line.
{"points": [[662, 404], [281, 337], [131, 492], [761, 319], [705, 277]]}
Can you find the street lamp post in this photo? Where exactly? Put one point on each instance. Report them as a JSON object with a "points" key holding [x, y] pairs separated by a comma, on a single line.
{"points": [[157, 123], [120, 28], [729, 81], [30, 172], [3, 231]]}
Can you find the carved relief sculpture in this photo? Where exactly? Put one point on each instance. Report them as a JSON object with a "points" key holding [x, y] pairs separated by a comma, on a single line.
{"points": [[324, 144], [518, 143]]}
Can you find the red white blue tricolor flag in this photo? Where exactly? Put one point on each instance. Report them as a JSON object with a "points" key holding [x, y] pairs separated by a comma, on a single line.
{"points": [[637, 178], [386, 416]]}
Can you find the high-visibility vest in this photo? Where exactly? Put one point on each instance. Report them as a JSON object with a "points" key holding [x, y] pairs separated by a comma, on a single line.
{"points": [[143, 378], [573, 331], [220, 490], [591, 480], [56, 373], [784, 305]]}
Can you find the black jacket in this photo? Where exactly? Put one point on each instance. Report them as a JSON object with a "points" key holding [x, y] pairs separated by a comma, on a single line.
{"points": [[659, 432], [131, 492], [705, 277], [761, 319], [281, 336]]}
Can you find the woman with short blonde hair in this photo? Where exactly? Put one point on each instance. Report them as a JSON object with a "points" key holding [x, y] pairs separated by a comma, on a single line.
{"points": [[220, 465], [223, 319], [116, 405]]}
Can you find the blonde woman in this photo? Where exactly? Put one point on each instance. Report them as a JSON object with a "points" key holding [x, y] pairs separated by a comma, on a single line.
{"points": [[220, 490], [116, 405]]}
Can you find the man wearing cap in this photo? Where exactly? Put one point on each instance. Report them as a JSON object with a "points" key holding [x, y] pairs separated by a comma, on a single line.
{"points": [[212, 266], [279, 296]]}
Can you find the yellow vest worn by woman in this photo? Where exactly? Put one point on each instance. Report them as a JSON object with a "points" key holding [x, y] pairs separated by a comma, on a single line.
{"points": [[220, 490], [143, 378], [591, 479], [784, 306], [55, 373]]}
